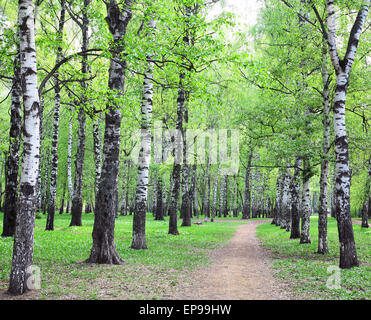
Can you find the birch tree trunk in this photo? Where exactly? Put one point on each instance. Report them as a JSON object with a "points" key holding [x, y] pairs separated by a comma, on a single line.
{"points": [[295, 201], [61, 209], [173, 207], [1, 178], [123, 210], [186, 197], [221, 195], [277, 210], [234, 201], [97, 154], [305, 218], [348, 253], [215, 190], [225, 198], [139, 221], [77, 203], [69, 158], [367, 197], [285, 203], [25, 219], [193, 191], [161, 186], [45, 183], [247, 200], [104, 249], [159, 211], [206, 204], [322, 212], [12, 161], [54, 148]]}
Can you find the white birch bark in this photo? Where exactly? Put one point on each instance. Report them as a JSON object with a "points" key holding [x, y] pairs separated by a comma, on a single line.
{"points": [[285, 203], [139, 235], [97, 153], [103, 250], [295, 200], [348, 253], [54, 147], [69, 157], [25, 220], [12, 160], [306, 211], [322, 212]]}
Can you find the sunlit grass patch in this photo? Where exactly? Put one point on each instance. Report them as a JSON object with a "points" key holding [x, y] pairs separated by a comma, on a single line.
{"points": [[311, 274], [154, 272]]}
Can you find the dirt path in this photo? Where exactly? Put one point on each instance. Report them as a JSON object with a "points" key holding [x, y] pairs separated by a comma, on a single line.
{"points": [[240, 271]]}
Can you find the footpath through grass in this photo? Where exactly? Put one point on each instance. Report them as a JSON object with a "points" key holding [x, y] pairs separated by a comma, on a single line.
{"points": [[149, 274], [313, 276]]}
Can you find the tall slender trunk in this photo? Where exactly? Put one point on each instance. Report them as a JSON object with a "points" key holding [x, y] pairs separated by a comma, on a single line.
{"points": [[69, 158], [367, 197], [45, 189], [247, 201], [139, 220], [12, 161], [305, 218], [221, 195], [159, 211], [322, 212], [348, 252], [285, 203], [277, 209], [207, 196], [77, 202], [234, 201], [1, 178], [54, 149], [127, 204], [97, 153], [103, 248], [173, 207], [25, 219], [295, 201], [186, 196], [61, 209], [39, 186], [161, 186], [215, 190], [194, 190], [181, 116], [123, 210], [226, 189]]}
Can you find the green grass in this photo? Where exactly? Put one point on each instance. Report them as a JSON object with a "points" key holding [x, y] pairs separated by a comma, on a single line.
{"points": [[308, 273], [148, 274]]}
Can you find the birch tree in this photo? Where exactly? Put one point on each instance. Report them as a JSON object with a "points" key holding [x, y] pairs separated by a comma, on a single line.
{"points": [[343, 67], [322, 212], [77, 203], [57, 104], [139, 220], [295, 200], [12, 161], [104, 249], [25, 219]]}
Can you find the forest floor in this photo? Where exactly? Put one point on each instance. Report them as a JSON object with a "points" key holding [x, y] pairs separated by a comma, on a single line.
{"points": [[231, 259], [241, 270], [316, 276]]}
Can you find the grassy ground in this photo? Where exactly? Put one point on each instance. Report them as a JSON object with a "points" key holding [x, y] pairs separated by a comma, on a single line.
{"points": [[148, 274], [309, 273]]}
